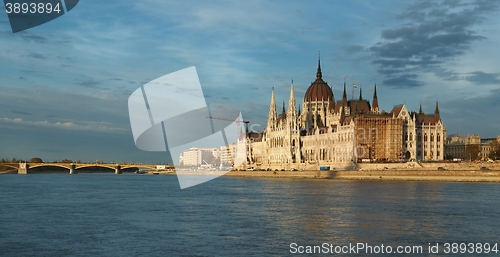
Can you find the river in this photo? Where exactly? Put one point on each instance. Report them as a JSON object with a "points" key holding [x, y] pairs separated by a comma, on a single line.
{"points": [[144, 215]]}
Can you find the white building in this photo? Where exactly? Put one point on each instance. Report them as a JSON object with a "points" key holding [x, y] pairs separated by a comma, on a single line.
{"points": [[199, 156]]}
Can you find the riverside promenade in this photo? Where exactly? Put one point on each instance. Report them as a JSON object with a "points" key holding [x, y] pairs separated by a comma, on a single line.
{"points": [[458, 172]]}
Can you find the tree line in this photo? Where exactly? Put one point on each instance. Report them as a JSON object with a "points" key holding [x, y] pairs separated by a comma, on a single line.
{"points": [[35, 160]]}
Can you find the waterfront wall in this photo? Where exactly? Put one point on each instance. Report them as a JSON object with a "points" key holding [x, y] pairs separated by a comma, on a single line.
{"points": [[368, 173], [428, 166], [393, 171]]}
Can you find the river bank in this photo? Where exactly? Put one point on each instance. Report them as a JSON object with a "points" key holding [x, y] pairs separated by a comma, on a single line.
{"points": [[456, 176], [457, 172]]}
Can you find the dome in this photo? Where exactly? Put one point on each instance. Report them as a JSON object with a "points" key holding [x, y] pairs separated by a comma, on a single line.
{"points": [[318, 90]]}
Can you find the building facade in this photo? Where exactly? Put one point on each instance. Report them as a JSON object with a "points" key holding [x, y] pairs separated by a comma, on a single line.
{"points": [[470, 147], [199, 156], [340, 133]]}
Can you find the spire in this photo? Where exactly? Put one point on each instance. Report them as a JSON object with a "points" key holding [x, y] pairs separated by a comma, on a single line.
{"points": [[375, 108], [271, 120], [436, 112], [342, 117], [319, 75], [283, 108], [420, 110], [360, 94], [299, 111], [292, 109], [344, 97]]}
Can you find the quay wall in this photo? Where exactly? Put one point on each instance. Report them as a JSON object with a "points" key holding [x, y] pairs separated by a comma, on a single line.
{"points": [[392, 171]]}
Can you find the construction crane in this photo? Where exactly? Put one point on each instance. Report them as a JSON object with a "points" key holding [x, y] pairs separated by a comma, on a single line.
{"points": [[238, 122]]}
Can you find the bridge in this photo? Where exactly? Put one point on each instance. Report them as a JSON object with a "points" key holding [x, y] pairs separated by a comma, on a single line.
{"points": [[24, 167]]}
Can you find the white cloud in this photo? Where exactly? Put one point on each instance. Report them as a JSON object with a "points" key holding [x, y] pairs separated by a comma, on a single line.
{"points": [[71, 125]]}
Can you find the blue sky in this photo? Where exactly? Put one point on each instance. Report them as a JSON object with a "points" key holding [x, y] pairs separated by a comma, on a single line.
{"points": [[64, 85]]}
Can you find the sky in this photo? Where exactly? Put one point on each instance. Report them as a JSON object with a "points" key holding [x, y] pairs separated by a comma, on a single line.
{"points": [[64, 85]]}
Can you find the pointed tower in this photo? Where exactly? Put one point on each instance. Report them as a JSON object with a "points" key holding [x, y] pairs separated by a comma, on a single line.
{"points": [[319, 75], [420, 110], [436, 113], [271, 120], [292, 110], [344, 97], [360, 94], [342, 117], [375, 108]]}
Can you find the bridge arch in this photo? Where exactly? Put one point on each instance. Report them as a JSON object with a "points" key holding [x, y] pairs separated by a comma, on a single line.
{"points": [[107, 166], [38, 165], [10, 165]]}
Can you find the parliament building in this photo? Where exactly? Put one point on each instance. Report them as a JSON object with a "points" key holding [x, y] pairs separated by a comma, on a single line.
{"points": [[338, 133]]}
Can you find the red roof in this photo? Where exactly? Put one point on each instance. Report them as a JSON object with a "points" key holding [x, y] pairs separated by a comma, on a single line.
{"points": [[318, 91]]}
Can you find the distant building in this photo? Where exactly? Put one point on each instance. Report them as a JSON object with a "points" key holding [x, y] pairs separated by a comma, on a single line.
{"points": [[340, 133], [470, 147], [227, 158], [199, 156]]}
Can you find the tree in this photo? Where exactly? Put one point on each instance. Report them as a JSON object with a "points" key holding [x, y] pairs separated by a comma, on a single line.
{"points": [[472, 151], [495, 150], [36, 160]]}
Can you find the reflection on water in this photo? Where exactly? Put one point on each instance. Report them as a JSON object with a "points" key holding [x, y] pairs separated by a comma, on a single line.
{"points": [[116, 215]]}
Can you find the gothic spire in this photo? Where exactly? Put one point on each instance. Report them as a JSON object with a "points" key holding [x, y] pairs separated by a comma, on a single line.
{"points": [[344, 97], [420, 110], [271, 120], [375, 107], [436, 112], [292, 109], [360, 94], [319, 75]]}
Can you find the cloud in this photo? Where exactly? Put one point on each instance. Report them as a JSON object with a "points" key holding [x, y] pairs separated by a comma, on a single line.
{"points": [[482, 78], [475, 112], [22, 112], [436, 33], [36, 55], [32, 37], [71, 125], [88, 83], [408, 80]]}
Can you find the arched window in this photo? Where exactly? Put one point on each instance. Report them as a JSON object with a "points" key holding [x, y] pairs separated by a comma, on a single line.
{"points": [[432, 137], [438, 137], [425, 137]]}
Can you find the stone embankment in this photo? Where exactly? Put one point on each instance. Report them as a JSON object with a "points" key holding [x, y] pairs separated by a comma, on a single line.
{"points": [[463, 172]]}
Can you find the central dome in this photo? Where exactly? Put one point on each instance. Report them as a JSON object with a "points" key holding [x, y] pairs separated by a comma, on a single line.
{"points": [[318, 90]]}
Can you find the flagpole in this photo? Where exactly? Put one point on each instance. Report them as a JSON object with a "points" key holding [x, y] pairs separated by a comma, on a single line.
{"points": [[352, 96]]}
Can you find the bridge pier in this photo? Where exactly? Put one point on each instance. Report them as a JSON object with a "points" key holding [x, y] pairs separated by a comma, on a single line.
{"points": [[118, 169], [23, 168], [72, 169]]}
